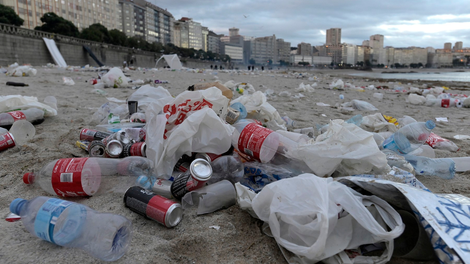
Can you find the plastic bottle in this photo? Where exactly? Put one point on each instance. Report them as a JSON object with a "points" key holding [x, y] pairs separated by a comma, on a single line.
{"points": [[102, 235], [443, 168], [409, 137], [88, 176], [446, 102], [33, 115]]}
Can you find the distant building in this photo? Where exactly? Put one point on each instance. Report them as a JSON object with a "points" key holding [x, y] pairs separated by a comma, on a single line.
{"points": [[304, 49], [81, 13], [283, 49], [442, 60], [312, 60], [188, 34], [213, 42], [263, 49], [333, 36], [158, 24], [448, 46], [366, 43], [458, 46], [376, 42], [407, 56], [349, 53], [205, 35], [233, 32], [335, 52], [234, 51]]}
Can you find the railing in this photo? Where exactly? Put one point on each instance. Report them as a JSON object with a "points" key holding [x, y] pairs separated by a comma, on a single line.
{"points": [[24, 32]]}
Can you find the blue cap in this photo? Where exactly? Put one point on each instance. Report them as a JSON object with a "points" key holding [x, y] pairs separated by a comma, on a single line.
{"points": [[430, 124], [143, 181], [16, 205], [240, 108]]}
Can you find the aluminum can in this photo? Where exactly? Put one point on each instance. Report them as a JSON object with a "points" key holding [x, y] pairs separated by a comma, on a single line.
{"points": [[113, 149], [135, 149], [200, 171], [91, 134], [83, 144], [162, 187], [96, 148], [207, 156], [6, 141], [158, 208]]}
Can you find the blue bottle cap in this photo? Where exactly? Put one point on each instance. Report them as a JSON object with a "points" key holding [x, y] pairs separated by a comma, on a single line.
{"points": [[430, 124], [16, 205], [240, 108], [143, 181]]}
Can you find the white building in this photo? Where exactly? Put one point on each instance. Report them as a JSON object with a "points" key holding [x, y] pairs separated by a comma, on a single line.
{"points": [[349, 54], [188, 34], [234, 51]]}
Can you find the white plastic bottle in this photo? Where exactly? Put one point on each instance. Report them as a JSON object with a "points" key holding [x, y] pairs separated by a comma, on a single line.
{"points": [[441, 167], [89, 176], [102, 235], [33, 115], [409, 137]]}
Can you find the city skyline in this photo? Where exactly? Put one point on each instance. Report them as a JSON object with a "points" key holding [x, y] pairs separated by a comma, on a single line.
{"points": [[403, 24]]}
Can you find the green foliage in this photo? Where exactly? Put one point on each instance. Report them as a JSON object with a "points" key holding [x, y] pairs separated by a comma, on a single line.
{"points": [[54, 24], [8, 16], [117, 37], [96, 32]]}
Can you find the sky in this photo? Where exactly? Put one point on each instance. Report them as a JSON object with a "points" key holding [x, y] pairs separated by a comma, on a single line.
{"points": [[418, 23]]}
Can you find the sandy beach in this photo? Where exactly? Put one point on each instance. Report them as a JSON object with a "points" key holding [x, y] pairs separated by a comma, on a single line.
{"points": [[239, 239]]}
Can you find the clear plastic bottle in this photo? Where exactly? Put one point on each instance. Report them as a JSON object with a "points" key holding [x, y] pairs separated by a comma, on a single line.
{"points": [[441, 167], [33, 115], [89, 176], [103, 235], [409, 137]]}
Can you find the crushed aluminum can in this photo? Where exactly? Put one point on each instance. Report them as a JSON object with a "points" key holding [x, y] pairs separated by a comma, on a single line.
{"points": [[96, 148], [113, 149], [135, 149], [200, 171], [207, 156], [158, 208], [6, 141], [91, 134]]}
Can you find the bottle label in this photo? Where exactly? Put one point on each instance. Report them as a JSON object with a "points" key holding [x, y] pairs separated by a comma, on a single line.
{"points": [[252, 138], [445, 103], [47, 216], [69, 179], [17, 115]]}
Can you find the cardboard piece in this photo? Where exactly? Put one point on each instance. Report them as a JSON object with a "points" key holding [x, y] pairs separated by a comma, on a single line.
{"points": [[225, 91]]}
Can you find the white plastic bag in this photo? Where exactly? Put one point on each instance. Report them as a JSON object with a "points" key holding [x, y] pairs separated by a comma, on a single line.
{"points": [[147, 93], [115, 78], [360, 105], [21, 71], [14, 102], [416, 99], [377, 123], [68, 81], [345, 148], [317, 218], [258, 108], [188, 124]]}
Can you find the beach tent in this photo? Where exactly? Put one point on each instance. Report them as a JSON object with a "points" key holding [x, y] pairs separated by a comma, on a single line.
{"points": [[172, 60], [55, 53]]}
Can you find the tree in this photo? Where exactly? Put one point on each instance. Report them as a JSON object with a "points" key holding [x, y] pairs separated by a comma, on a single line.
{"points": [[252, 61], [54, 24], [96, 32], [8, 16], [117, 37]]}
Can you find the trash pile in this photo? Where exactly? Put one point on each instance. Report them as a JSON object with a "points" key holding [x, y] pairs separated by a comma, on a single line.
{"points": [[340, 192]]}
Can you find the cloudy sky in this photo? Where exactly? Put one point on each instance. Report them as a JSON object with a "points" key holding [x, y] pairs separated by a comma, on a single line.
{"points": [[403, 23]]}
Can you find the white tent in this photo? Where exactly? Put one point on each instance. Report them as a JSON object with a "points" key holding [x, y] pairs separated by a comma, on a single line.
{"points": [[172, 60]]}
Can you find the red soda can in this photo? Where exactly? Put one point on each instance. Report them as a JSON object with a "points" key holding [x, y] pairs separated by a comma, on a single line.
{"points": [[207, 156], [135, 149], [200, 171], [163, 210], [6, 141], [91, 134]]}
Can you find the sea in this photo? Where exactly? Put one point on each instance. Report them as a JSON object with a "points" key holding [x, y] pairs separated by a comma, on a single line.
{"points": [[424, 76]]}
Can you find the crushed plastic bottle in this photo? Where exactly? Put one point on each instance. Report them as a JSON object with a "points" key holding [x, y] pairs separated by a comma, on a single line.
{"points": [[103, 235], [409, 137]]}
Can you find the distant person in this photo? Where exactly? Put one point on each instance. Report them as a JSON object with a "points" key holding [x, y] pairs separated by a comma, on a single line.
{"points": [[124, 64], [252, 67], [262, 68], [249, 67], [215, 67], [212, 66]]}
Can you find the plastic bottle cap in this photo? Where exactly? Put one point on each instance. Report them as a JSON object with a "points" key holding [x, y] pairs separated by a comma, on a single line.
{"points": [[27, 178], [16, 205], [430, 124]]}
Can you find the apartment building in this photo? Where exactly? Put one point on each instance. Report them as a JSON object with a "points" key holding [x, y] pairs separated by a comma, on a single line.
{"points": [[410, 55], [376, 42], [213, 42], [82, 13], [283, 48], [304, 49], [349, 53], [265, 49], [158, 24], [187, 34], [333, 36]]}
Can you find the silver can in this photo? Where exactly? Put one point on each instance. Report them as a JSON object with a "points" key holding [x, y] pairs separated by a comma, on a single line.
{"points": [[113, 149], [96, 148]]}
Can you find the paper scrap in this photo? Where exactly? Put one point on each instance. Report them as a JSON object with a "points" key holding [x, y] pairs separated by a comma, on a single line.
{"points": [[215, 227]]}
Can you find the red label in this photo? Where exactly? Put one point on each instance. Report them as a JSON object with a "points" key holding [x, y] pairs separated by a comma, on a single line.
{"points": [[17, 115], [433, 139], [193, 184], [67, 178], [157, 208], [87, 134], [252, 138], [6, 141], [445, 103], [136, 149]]}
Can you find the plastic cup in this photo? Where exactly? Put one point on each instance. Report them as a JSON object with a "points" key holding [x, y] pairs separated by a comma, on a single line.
{"points": [[23, 131], [211, 198]]}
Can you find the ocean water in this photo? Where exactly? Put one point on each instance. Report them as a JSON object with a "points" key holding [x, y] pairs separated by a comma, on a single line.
{"points": [[425, 76]]}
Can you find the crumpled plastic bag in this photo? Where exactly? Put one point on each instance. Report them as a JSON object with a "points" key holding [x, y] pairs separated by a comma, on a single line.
{"points": [[416, 99], [344, 148], [337, 84], [318, 218], [147, 94], [359, 105], [305, 88], [377, 123], [21, 71], [258, 108], [15, 102], [115, 78], [190, 123], [68, 81]]}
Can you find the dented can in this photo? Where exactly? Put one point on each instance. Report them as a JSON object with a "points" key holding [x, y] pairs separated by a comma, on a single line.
{"points": [[113, 149], [135, 149], [158, 208], [207, 156], [96, 148], [200, 171], [91, 134], [6, 141]]}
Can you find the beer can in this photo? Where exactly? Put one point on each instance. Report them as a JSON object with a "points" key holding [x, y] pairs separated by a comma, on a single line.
{"points": [[113, 149], [132, 106], [200, 171], [96, 148], [182, 165], [162, 187], [120, 136], [135, 149], [83, 144], [207, 156], [91, 134], [163, 210], [6, 141]]}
